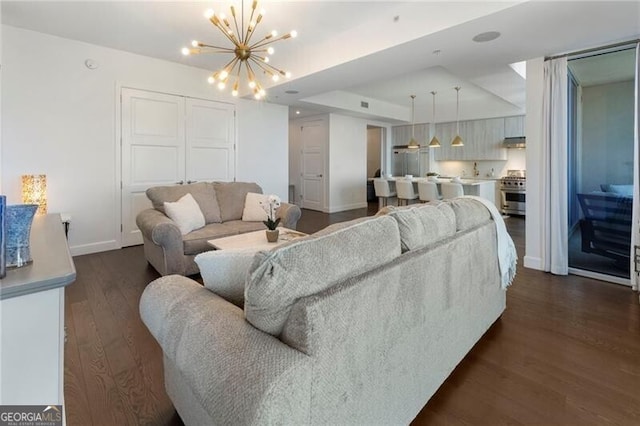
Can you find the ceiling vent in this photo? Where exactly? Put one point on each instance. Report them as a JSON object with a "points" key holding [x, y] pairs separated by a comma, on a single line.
{"points": [[364, 104]]}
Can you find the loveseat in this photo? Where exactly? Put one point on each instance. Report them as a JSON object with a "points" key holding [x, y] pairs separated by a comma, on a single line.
{"points": [[222, 205], [359, 323]]}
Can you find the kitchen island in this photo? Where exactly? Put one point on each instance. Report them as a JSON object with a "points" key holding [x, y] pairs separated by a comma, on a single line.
{"points": [[485, 188]]}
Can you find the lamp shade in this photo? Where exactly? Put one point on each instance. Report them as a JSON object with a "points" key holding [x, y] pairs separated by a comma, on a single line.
{"points": [[34, 191], [435, 143], [457, 141]]}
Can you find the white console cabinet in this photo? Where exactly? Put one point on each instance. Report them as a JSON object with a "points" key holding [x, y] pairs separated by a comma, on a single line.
{"points": [[32, 319]]}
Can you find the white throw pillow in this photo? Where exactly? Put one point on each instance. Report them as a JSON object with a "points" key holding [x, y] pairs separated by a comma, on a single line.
{"points": [[185, 213], [224, 272], [253, 211]]}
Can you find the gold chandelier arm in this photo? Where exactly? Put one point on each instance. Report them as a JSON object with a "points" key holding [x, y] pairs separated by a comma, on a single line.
{"points": [[235, 21], [210, 46], [219, 25], [269, 40], [266, 66]]}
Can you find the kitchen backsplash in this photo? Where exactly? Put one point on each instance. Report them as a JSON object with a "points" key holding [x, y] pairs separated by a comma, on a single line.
{"points": [[516, 160]]}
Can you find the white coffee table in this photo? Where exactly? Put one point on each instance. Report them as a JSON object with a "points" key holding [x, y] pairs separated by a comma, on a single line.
{"points": [[255, 239]]}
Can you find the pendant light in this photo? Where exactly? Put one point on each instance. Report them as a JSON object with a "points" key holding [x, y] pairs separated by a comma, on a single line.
{"points": [[435, 143], [457, 141], [413, 143]]}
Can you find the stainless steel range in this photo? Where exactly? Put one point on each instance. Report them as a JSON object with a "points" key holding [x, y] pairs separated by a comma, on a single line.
{"points": [[513, 192]]}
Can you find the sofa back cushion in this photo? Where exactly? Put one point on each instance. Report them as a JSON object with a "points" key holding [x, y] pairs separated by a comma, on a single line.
{"points": [[202, 192], [423, 225], [469, 213], [311, 264], [231, 198]]}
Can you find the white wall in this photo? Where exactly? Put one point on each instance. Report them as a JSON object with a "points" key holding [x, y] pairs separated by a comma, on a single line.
{"points": [[347, 163], [59, 119], [534, 224], [263, 154]]}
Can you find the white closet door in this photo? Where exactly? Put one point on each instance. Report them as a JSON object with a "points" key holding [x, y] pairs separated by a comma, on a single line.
{"points": [[153, 151], [210, 141]]}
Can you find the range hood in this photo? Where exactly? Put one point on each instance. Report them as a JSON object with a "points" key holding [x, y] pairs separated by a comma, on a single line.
{"points": [[514, 142]]}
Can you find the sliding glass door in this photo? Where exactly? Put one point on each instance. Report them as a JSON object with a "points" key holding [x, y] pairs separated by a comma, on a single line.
{"points": [[600, 161]]}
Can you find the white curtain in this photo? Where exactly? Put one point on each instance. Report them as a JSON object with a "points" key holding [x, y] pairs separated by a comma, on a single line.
{"points": [[635, 227], [554, 165]]}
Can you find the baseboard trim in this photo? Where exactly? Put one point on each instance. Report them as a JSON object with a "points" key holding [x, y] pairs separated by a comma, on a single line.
{"points": [[336, 209], [533, 263], [93, 247]]}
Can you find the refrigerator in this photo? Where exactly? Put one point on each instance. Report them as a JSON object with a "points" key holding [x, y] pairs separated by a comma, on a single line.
{"points": [[406, 161]]}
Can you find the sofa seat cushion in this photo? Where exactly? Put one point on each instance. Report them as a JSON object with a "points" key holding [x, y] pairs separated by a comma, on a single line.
{"points": [[311, 264], [196, 241], [231, 198], [202, 192], [423, 225]]}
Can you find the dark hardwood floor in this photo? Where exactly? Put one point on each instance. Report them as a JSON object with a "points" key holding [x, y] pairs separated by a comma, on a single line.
{"points": [[565, 352]]}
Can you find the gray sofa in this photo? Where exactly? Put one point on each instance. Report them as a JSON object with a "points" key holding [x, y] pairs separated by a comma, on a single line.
{"points": [[357, 324], [222, 204]]}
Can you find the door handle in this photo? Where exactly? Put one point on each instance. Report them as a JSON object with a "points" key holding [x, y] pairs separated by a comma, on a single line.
{"points": [[180, 183], [191, 181], [318, 175]]}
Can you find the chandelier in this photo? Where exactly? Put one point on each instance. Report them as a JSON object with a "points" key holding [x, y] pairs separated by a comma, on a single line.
{"points": [[247, 55]]}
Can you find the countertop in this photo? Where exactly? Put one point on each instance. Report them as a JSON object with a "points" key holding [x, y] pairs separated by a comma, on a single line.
{"points": [[52, 265]]}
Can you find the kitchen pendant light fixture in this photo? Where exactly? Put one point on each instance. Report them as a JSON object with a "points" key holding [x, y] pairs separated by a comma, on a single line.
{"points": [[413, 143], [245, 54], [435, 143], [457, 141]]}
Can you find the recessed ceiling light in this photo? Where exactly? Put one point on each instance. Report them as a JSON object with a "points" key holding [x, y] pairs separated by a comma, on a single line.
{"points": [[291, 92], [488, 36]]}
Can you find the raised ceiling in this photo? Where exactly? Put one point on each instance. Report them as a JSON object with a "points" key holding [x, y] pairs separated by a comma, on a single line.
{"points": [[377, 51]]}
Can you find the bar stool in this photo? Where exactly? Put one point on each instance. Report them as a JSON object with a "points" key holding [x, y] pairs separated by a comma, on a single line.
{"points": [[451, 190], [428, 191], [383, 190], [405, 191]]}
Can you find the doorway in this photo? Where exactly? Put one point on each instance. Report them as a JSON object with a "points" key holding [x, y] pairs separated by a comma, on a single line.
{"points": [[600, 163], [375, 138]]}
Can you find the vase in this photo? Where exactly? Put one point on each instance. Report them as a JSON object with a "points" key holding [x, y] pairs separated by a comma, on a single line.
{"points": [[3, 261], [18, 221], [272, 235]]}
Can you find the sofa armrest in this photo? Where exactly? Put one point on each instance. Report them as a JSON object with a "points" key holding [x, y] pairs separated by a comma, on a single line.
{"points": [[238, 373], [289, 215], [157, 227]]}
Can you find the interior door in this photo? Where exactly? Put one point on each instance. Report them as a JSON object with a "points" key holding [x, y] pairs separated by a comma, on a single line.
{"points": [[313, 137], [153, 151], [210, 147]]}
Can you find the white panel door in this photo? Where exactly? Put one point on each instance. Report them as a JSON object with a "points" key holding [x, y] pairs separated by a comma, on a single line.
{"points": [[210, 147], [313, 136], [153, 151]]}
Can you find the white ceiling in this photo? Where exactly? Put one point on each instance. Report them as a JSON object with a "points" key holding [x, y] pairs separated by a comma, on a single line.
{"points": [[381, 51]]}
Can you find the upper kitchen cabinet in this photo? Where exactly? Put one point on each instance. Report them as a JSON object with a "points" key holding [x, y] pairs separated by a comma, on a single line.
{"points": [[482, 140], [400, 135], [514, 126]]}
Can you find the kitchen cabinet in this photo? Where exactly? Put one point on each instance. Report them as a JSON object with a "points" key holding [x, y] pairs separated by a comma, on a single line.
{"points": [[514, 126], [482, 140], [400, 135]]}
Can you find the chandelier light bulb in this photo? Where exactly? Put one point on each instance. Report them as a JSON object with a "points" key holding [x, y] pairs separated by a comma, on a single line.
{"points": [[252, 84], [270, 50], [287, 74], [195, 43], [274, 33], [221, 85], [275, 77], [234, 92], [211, 80], [209, 13], [185, 51], [294, 34], [266, 59], [223, 75]]}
